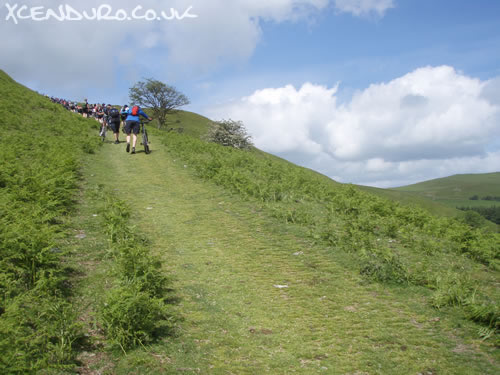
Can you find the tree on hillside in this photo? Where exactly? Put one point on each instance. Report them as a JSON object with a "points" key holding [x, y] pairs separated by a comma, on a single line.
{"points": [[161, 98], [229, 133]]}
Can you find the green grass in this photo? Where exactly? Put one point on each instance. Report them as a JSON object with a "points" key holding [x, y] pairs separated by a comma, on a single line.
{"points": [[456, 190], [226, 257], [188, 123], [195, 125], [389, 242], [412, 199]]}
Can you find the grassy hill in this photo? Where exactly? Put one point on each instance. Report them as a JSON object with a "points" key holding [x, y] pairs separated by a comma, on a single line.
{"points": [[195, 125], [412, 199], [200, 258], [41, 149], [440, 196], [456, 191], [188, 123]]}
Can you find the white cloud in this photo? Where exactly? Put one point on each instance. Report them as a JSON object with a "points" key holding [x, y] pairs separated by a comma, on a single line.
{"points": [[286, 119], [225, 31], [431, 111], [66, 52], [364, 7], [433, 121], [72, 53]]}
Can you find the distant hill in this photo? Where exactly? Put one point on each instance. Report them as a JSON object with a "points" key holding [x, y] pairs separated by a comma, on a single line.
{"points": [[409, 198], [456, 191]]}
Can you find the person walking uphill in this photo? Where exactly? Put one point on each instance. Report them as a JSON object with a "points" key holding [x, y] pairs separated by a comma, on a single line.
{"points": [[114, 122], [123, 116], [133, 125]]}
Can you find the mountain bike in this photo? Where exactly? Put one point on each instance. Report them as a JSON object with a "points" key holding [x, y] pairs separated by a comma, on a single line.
{"points": [[145, 140]]}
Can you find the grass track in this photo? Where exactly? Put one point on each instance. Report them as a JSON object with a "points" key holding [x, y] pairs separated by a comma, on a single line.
{"points": [[227, 258]]}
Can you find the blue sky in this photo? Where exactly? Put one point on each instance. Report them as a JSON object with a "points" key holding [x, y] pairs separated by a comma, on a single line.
{"points": [[382, 92], [359, 51]]}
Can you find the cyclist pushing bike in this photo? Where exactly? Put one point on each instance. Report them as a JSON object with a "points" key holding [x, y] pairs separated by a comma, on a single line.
{"points": [[133, 125]]}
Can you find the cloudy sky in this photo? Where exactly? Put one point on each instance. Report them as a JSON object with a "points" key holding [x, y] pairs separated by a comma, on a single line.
{"points": [[374, 92]]}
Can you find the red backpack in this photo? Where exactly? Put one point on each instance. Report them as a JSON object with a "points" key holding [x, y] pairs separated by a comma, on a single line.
{"points": [[135, 110]]}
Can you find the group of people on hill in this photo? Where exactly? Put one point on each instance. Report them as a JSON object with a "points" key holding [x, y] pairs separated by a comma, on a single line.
{"points": [[108, 116]]}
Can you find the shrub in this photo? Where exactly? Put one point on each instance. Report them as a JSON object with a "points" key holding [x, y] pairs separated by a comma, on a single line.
{"points": [[486, 313], [474, 219], [452, 290], [383, 265], [229, 133], [37, 332], [132, 317]]}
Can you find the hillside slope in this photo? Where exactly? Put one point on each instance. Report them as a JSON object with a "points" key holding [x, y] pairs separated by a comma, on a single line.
{"points": [[413, 199], [189, 123], [41, 150], [456, 190], [196, 125], [258, 296]]}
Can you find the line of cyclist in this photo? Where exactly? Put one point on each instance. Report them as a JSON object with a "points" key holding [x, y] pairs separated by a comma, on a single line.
{"points": [[110, 117]]}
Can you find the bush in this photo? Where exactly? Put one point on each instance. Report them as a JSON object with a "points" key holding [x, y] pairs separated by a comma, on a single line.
{"points": [[37, 332], [132, 317], [229, 133], [490, 213], [383, 266], [474, 219], [452, 290]]}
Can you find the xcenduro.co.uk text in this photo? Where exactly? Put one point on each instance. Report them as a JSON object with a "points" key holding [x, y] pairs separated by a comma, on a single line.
{"points": [[104, 12]]}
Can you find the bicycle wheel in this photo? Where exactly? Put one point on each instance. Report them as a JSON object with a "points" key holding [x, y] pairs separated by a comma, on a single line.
{"points": [[103, 133], [145, 141]]}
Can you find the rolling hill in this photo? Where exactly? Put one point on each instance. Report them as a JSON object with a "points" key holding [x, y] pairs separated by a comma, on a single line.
{"points": [[455, 191]]}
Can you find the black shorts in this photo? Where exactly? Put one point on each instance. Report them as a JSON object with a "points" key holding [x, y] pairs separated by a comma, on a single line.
{"points": [[132, 127], [115, 126]]}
